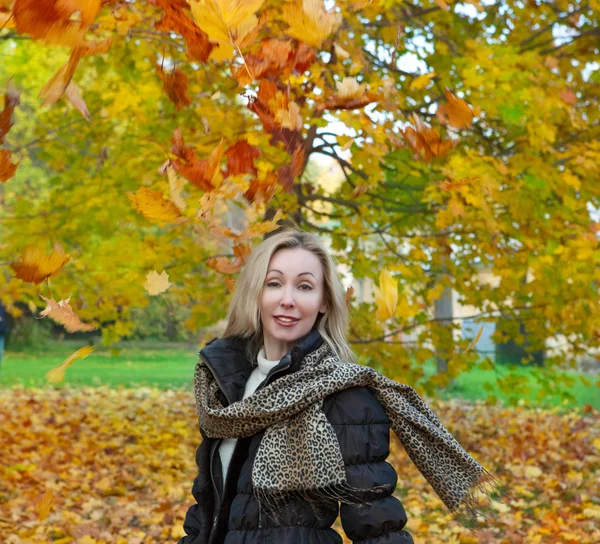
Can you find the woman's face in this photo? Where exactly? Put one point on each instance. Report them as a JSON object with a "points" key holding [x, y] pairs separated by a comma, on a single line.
{"points": [[293, 287]]}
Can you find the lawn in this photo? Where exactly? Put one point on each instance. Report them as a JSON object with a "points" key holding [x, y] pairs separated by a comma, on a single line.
{"points": [[166, 367]]}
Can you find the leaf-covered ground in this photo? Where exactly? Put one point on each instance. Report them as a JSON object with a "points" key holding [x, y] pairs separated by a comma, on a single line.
{"points": [[99, 465]]}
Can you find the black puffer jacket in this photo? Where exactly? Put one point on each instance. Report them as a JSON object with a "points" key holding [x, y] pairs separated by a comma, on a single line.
{"points": [[230, 515]]}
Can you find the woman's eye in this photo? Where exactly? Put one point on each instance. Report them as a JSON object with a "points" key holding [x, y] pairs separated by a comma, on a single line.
{"points": [[275, 284]]}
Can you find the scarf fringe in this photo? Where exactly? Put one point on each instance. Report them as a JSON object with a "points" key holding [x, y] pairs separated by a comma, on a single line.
{"points": [[273, 502], [471, 510]]}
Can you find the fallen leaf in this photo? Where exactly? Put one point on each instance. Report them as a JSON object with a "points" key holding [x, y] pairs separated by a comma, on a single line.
{"points": [[156, 283], [153, 206], [35, 266], [57, 375], [62, 313], [386, 295]]}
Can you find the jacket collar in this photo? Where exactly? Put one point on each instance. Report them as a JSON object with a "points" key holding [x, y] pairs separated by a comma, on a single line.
{"points": [[226, 359]]}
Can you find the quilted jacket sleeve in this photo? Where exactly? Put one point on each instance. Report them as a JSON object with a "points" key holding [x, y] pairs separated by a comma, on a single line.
{"points": [[363, 431], [198, 518]]}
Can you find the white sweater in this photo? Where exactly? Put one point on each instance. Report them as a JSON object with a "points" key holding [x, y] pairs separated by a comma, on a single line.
{"points": [[256, 378]]}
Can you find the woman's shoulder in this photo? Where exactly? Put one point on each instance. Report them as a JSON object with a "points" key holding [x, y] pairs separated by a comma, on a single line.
{"points": [[355, 405]]}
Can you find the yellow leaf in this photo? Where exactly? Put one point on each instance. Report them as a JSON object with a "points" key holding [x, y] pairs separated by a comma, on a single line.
{"points": [[226, 22], [57, 374], [476, 339], [34, 266], [152, 205], [349, 88], [386, 295], [157, 283], [44, 505], [309, 22], [175, 186], [422, 81]]}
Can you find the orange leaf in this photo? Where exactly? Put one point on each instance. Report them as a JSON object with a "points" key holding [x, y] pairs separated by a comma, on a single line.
{"points": [[425, 140], [54, 89], [73, 95], [262, 190], [7, 168], [240, 158], [198, 46], [175, 85], [34, 266], [153, 206], [456, 113], [62, 313], [44, 505], [55, 21]]}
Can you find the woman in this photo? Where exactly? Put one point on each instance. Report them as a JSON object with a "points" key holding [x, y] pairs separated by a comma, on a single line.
{"points": [[293, 431]]}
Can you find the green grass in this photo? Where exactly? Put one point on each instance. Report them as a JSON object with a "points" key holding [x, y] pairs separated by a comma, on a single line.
{"points": [[135, 366], [167, 366]]}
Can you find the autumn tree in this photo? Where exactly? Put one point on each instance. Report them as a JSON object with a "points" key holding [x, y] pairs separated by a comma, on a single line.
{"points": [[467, 134]]}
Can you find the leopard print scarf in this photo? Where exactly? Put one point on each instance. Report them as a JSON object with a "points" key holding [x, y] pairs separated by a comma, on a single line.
{"points": [[299, 454]]}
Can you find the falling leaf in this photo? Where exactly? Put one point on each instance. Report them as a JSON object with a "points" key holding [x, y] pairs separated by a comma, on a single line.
{"points": [[55, 88], [175, 187], [175, 85], [225, 265], [62, 313], [55, 21], [216, 95], [476, 339], [226, 22], [156, 283], [262, 189], [425, 141], [57, 375], [442, 4], [35, 266], [348, 297], [309, 22], [7, 167], [457, 112], [422, 81], [240, 158], [44, 505], [198, 46], [386, 295], [153, 206], [349, 88], [229, 283]]}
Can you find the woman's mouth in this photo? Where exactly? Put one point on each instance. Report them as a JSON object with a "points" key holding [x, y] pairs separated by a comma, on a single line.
{"points": [[284, 322]]}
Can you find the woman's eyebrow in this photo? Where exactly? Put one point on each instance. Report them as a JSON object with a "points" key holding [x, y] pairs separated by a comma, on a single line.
{"points": [[301, 273]]}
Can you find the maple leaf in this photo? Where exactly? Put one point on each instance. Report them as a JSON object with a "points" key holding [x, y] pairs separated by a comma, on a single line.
{"points": [[204, 174], [44, 504], [422, 81], [350, 95], [289, 117], [457, 112], [240, 158], [198, 46], [349, 88], [156, 283], [175, 85], [7, 167], [35, 266], [224, 265], [154, 206], [226, 22], [309, 22], [62, 313], [425, 141], [57, 375], [386, 295], [55, 21]]}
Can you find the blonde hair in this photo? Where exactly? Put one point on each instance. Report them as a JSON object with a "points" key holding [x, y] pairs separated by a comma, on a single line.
{"points": [[243, 315]]}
